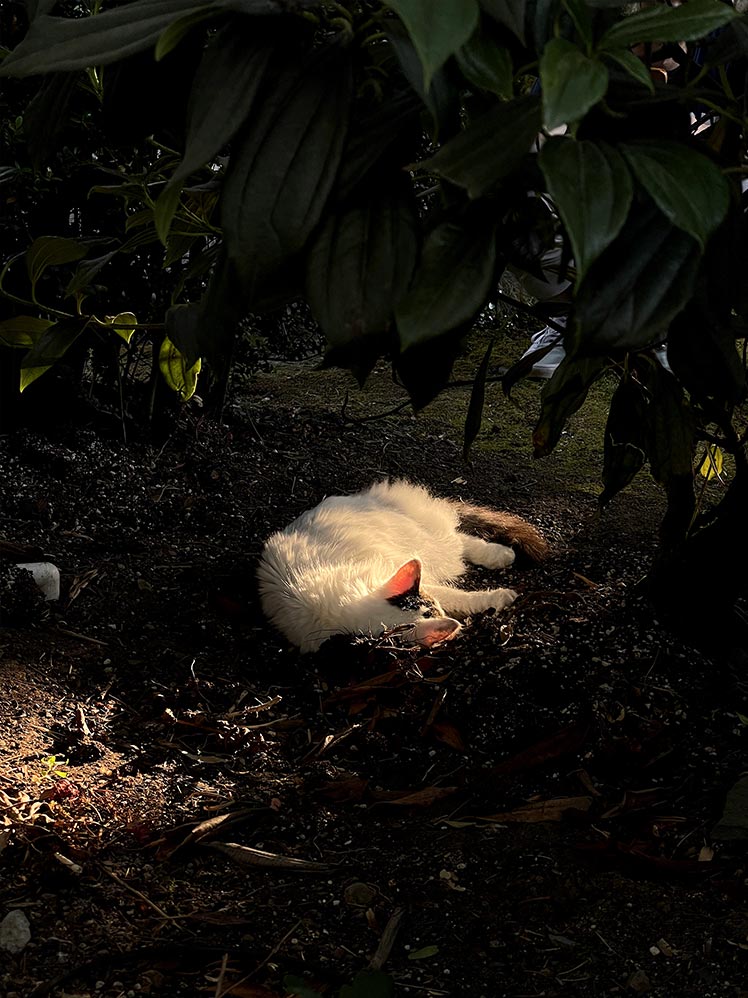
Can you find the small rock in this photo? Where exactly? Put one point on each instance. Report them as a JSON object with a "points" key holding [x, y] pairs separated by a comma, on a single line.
{"points": [[639, 982], [46, 576], [15, 932]]}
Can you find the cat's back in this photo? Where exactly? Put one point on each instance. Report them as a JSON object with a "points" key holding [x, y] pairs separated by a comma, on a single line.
{"points": [[384, 510], [390, 521]]}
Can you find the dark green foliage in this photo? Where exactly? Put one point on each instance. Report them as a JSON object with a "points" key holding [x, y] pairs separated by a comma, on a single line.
{"points": [[381, 159]]}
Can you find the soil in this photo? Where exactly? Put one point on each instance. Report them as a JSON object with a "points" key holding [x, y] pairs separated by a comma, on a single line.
{"points": [[189, 807]]}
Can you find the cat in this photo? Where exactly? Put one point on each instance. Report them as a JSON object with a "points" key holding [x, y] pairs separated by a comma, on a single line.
{"points": [[385, 558]]}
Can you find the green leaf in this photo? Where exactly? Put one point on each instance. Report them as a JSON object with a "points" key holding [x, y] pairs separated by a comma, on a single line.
{"points": [[369, 984], [703, 355], [633, 66], [733, 824], [580, 15], [455, 276], [170, 38], [22, 330], [298, 987], [473, 421], [441, 97], [437, 30], [35, 7], [263, 7], [625, 437], [371, 139], [486, 63], [53, 343], [490, 148], [281, 173], [572, 82], [509, 13], [671, 428], [179, 376], [49, 115], [424, 953], [561, 397], [125, 323], [183, 323], [425, 369], [543, 18], [592, 190], [660, 23], [226, 84], [208, 328], [636, 287], [358, 268], [85, 273], [685, 185], [51, 251], [64, 43]]}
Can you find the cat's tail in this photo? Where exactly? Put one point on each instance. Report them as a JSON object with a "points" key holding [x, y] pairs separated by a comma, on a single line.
{"points": [[504, 528]]}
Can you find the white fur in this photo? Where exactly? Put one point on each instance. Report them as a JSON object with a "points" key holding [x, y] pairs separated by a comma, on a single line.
{"points": [[326, 573]]}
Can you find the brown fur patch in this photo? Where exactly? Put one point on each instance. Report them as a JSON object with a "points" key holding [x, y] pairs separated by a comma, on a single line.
{"points": [[503, 528]]}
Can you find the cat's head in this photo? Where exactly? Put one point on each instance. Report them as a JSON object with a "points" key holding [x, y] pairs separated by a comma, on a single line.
{"points": [[413, 612]]}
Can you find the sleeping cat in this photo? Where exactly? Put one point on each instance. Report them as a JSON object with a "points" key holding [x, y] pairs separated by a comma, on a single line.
{"points": [[385, 558]]}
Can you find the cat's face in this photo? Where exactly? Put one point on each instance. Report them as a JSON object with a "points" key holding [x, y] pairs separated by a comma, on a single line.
{"points": [[416, 614]]}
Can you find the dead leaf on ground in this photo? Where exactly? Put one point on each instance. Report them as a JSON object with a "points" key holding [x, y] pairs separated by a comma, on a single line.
{"points": [[240, 990], [80, 582], [247, 856], [414, 798], [637, 855], [563, 742], [393, 679], [636, 800], [205, 829], [448, 733], [348, 788], [542, 810]]}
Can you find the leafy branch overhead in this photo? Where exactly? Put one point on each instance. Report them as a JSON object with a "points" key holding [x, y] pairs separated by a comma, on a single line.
{"points": [[384, 160]]}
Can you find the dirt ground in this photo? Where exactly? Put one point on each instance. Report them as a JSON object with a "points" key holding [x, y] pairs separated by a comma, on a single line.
{"points": [[188, 807]]}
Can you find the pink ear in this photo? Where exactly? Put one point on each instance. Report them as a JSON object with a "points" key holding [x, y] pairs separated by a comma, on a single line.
{"points": [[437, 629], [405, 580]]}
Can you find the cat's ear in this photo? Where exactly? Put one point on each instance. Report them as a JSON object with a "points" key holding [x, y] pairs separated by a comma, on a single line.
{"points": [[406, 580], [436, 629]]}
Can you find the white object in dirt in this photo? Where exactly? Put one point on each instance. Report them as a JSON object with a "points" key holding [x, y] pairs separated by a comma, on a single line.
{"points": [[15, 932], [46, 576]]}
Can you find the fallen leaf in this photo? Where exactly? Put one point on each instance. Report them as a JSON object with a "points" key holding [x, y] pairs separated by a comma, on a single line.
{"points": [[424, 953], [247, 856], [241, 990], [393, 679], [564, 742], [348, 788], [542, 810], [636, 800], [733, 825], [448, 734], [415, 798], [205, 829]]}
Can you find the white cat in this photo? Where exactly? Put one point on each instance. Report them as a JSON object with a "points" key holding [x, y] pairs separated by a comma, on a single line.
{"points": [[384, 558]]}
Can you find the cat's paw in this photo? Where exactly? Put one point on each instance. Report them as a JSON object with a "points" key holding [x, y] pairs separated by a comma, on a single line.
{"points": [[501, 598], [497, 556]]}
